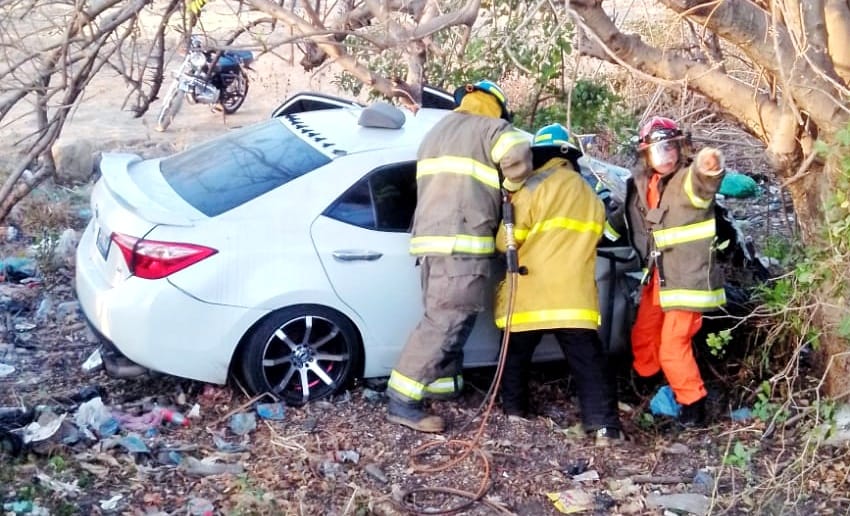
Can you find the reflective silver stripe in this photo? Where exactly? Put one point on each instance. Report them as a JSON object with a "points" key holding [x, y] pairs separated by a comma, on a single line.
{"points": [[405, 386], [682, 234], [458, 165], [445, 385], [692, 298], [696, 201], [505, 142], [468, 244], [610, 233]]}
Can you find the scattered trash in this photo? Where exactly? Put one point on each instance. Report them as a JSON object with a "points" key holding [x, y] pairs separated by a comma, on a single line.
{"points": [[738, 185], [273, 411], [243, 423], [703, 482], [133, 443], [664, 403], [200, 507], [571, 501], [205, 467], [92, 414], [25, 507], [112, 503], [46, 426], [227, 447], [690, 502], [330, 469], [140, 423], [587, 476], [6, 369], [14, 269], [195, 413], [67, 310], [175, 418], [742, 414], [576, 467], [347, 456], [45, 309], [376, 472], [70, 490]]}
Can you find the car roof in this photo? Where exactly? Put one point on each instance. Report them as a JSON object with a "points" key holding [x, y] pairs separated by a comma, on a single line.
{"points": [[336, 132]]}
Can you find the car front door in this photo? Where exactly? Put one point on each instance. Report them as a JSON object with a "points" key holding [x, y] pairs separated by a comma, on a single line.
{"points": [[362, 240]]}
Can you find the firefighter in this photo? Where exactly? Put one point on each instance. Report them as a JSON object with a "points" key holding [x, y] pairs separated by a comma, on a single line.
{"points": [[558, 220], [669, 215], [462, 163]]}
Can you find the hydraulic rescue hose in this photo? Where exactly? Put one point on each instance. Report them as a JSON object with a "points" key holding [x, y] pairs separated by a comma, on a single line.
{"points": [[463, 448]]}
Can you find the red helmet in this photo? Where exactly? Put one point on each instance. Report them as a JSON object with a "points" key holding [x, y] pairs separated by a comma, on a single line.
{"points": [[658, 129]]}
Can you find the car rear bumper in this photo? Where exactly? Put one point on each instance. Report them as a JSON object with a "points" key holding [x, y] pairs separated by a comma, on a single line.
{"points": [[157, 325]]}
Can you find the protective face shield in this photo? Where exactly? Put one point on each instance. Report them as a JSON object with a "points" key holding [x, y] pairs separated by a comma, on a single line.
{"points": [[663, 156]]}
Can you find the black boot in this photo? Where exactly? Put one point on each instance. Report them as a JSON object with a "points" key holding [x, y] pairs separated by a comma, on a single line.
{"points": [[645, 386], [693, 415]]}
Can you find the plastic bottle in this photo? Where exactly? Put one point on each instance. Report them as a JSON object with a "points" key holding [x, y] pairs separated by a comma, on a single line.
{"points": [[175, 418]]}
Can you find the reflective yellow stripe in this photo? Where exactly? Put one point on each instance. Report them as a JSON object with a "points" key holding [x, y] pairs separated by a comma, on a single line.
{"points": [[681, 234], [445, 385], [405, 386], [610, 233], [467, 244], [566, 314], [696, 201], [457, 165], [692, 298], [505, 143], [195, 6], [558, 223]]}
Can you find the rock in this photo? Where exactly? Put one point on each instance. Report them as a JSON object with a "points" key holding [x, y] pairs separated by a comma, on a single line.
{"points": [[75, 159], [376, 472], [690, 502], [677, 449]]}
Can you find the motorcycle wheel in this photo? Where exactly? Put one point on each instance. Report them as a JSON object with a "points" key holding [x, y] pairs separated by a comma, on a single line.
{"points": [[234, 93], [169, 110]]}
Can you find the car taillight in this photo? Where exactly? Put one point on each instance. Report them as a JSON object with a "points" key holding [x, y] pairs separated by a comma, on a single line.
{"points": [[152, 259]]}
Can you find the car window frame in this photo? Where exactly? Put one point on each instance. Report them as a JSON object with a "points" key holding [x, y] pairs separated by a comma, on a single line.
{"points": [[368, 179]]}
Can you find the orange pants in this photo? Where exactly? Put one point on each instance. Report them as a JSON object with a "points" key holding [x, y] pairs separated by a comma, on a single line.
{"points": [[661, 341]]}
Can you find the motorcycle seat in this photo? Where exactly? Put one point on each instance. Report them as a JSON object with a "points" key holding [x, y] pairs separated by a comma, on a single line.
{"points": [[233, 58]]}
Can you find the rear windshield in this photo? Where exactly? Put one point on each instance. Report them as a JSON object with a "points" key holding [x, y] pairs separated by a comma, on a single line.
{"points": [[226, 172]]}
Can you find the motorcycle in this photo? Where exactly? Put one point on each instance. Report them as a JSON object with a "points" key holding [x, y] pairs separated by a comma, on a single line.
{"points": [[207, 77]]}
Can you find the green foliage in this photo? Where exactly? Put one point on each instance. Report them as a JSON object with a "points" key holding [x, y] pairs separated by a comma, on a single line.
{"points": [[764, 408], [740, 456], [646, 420], [57, 463], [717, 342], [527, 58]]}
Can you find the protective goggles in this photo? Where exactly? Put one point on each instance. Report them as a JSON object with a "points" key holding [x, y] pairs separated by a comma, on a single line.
{"points": [[663, 152]]}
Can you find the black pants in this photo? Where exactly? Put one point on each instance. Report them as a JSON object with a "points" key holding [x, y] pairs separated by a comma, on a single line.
{"points": [[597, 393]]}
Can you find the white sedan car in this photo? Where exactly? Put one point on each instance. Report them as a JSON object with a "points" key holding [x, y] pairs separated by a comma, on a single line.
{"points": [[277, 253]]}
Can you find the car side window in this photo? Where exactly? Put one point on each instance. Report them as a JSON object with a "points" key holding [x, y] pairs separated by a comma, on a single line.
{"points": [[384, 200]]}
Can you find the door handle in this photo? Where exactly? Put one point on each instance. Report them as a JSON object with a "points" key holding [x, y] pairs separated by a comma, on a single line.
{"points": [[353, 255]]}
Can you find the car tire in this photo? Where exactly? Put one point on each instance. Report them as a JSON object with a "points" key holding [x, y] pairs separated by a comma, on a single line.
{"points": [[301, 353]]}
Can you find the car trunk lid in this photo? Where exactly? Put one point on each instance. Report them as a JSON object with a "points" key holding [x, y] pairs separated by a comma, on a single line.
{"points": [[131, 199]]}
